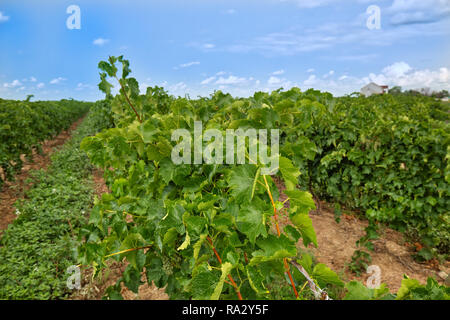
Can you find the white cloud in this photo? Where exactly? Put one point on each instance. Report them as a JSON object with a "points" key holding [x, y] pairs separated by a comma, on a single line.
{"points": [[406, 5], [204, 46], [57, 80], [221, 73], [178, 89], [298, 39], [401, 74], [396, 74], [357, 57], [230, 80], [100, 42], [3, 18], [329, 74], [82, 86], [187, 65], [310, 70], [398, 5], [13, 84], [30, 79], [273, 80], [418, 11], [278, 72], [208, 80], [312, 79], [180, 86], [397, 69], [400, 12], [40, 85]]}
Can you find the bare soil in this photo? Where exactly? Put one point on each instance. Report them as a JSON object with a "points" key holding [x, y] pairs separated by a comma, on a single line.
{"points": [[94, 289], [337, 242], [13, 190]]}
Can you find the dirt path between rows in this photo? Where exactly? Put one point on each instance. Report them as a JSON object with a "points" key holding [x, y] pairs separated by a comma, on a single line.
{"points": [[13, 190], [337, 242]]}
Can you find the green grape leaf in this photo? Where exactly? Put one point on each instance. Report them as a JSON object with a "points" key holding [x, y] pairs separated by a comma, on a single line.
{"points": [[358, 291], [203, 284], [110, 69], [301, 201], [250, 221], [198, 246], [226, 269], [186, 242], [289, 173], [304, 224], [325, 276], [240, 180], [256, 280], [273, 248]]}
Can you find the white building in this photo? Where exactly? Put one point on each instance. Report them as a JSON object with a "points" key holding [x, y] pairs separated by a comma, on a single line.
{"points": [[373, 88]]}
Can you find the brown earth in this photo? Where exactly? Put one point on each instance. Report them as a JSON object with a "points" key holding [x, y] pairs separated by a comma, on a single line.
{"points": [[13, 190], [337, 242], [94, 289]]}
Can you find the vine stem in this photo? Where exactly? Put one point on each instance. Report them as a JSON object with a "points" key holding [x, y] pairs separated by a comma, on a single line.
{"points": [[286, 266], [273, 205], [127, 250], [128, 100], [318, 293], [229, 275]]}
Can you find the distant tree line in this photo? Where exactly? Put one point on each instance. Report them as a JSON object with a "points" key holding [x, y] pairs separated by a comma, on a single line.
{"points": [[397, 90]]}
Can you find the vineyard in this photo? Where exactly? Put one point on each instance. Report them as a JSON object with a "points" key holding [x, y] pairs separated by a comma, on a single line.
{"points": [[205, 228], [24, 125]]}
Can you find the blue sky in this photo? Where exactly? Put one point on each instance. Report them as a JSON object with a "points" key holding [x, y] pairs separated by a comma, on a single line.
{"points": [[198, 46]]}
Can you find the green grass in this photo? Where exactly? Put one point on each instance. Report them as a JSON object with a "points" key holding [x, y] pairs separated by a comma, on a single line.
{"points": [[39, 245]]}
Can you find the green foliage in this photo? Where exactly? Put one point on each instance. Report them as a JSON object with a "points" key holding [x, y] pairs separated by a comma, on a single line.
{"points": [[411, 289], [357, 291], [24, 125], [384, 155], [189, 214], [361, 259], [100, 116], [387, 156], [38, 247]]}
